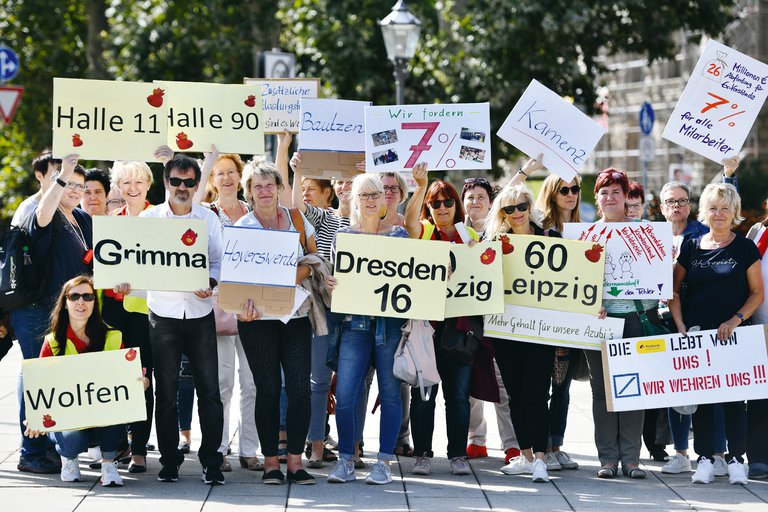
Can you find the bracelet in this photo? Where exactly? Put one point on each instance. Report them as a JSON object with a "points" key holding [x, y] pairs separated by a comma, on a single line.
{"points": [[61, 182], [521, 172]]}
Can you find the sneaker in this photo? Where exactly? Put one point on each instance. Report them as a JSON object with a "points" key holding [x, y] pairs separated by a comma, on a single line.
{"points": [[109, 475], [460, 466], [565, 460], [343, 472], [550, 460], [736, 472], [70, 470], [423, 466], [678, 463], [539, 471], [476, 451], [721, 467], [41, 466], [705, 472], [380, 474], [168, 473], [510, 454], [94, 453], [518, 466], [212, 475]]}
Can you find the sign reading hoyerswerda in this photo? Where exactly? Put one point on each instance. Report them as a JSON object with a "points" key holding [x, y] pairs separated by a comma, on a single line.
{"points": [[281, 101], [150, 254], [259, 256], [444, 135], [394, 277], [476, 286], [105, 120], [671, 370], [88, 390]]}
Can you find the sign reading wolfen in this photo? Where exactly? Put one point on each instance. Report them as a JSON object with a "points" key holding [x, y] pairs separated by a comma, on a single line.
{"points": [[150, 254], [720, 103], [476, 286], [444, 135], [552, 273], [543, 122], [281, 101], [201, 114], [672, 370], [105, 120], [88, 390], [394, 277], [638, 257]]}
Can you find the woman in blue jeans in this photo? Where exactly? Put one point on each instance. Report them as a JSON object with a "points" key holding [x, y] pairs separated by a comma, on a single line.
{"points": [[366, 340]]}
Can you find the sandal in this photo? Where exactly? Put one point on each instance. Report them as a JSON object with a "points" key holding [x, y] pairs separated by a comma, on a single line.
{"points": [[329, 456], [315, 463], [607, 471], [633, 472], [251, 463], [404, 450]]}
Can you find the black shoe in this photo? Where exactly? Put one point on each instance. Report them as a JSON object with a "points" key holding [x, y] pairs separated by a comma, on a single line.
{"points": [[184, 447], [41, 466], [137, 468], [301, 477], [150, 447], [212, 475], [168, 473], [659, 456], [274, 477]]}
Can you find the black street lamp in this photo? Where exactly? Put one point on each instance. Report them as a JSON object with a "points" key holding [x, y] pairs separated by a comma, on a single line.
{"points": [[401, 31]]}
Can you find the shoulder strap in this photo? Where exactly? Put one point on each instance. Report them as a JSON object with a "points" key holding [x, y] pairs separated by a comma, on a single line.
{"points": [[298, 222], [214, 208], [639, 307]]}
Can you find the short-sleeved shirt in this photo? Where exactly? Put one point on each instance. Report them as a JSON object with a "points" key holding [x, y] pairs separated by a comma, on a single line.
{"points": [[716, 279], [25, 208], [327, 223]]}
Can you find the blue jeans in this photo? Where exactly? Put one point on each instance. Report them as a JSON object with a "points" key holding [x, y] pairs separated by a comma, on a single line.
{"points": [[320, 380], [185, 398], [560, 400], [680, 424], [357, 349], [73, 442]]}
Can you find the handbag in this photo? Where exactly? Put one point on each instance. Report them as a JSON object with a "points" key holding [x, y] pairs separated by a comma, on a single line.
{"points": [[460, 338], [414, 361], [649, 328], [226, 323]]}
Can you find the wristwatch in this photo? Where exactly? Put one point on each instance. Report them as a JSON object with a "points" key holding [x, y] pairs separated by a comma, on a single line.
{"points": [[61, 182], [740, 316]]}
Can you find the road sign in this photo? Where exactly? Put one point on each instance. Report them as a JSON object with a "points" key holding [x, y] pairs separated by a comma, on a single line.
{"points": [[647, 149], [646, 118], [9, 64], [9, 101]]}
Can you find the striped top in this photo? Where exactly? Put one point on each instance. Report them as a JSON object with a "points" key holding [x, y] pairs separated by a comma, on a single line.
{"points": [[326, 223]]}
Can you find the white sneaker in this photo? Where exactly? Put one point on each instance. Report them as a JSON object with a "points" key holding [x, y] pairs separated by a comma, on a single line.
{"points": [[70, 470], [423, 466], [109, 475], [539, 470], [94, 453], [550, 459], [736, 472], [705, 472], [678, 463], [380, 474], [519, 466], [565, 460], [721, 467]]}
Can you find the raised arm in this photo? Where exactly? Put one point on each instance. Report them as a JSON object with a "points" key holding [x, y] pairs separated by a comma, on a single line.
{"points": [[287, 197], [205, 173], [729, 171], [525, 171], [413, 210], [50, 200]]}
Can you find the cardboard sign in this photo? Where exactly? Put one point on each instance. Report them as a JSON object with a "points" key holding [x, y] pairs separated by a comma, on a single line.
{"points": [[476, 286], [259, 256], [553, 273], [332, 125], [227, 115], [673, 370], [720, 103], [534, 325], [271, 301], [330, 165], [543, 122], [393, 277], [446, 136], [83, 391], [150, 254], [638, 257], [106, 120], [280, 101]]}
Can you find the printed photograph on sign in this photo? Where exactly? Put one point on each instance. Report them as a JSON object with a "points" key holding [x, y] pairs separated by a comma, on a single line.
{"points": [[281, 101], [385, 157], [385, 137], [472, 135]]}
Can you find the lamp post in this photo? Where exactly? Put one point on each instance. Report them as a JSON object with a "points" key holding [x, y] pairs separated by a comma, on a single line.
{"points": [[401, 31]]}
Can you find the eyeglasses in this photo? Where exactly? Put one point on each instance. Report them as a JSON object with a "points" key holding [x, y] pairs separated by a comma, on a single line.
{"points": [[634, 207], [574, 190], [392, 189], [367, 196], [74, 297], [116, 202], [509, 210], [188, 182], [435, 204], [73, 185], [676, 202]]}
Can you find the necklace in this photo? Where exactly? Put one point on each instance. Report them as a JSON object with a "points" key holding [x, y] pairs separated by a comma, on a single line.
{"points": [[722, 242], [240, 212], [276, 225]]}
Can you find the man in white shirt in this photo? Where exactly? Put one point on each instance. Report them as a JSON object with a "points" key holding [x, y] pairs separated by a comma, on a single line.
{"points": [[46, 168]]}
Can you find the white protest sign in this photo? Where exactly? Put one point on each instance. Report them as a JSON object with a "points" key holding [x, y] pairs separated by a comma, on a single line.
{"points": [[672, 370], [720, 103], [564, 329], [281, 101], [332, 125], [638, 257], [259, 256], [445, 136], [543, 122]]}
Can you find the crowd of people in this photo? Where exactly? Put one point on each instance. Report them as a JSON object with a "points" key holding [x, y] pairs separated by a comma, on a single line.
{"points": [[287, 370]]}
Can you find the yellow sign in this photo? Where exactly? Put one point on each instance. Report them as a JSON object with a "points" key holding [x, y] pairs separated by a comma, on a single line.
{"points": [[105, 120], [227, 115], [82, 391], [553, 273], [150, 254], [393, 277], [476, 286], [651, 346]]}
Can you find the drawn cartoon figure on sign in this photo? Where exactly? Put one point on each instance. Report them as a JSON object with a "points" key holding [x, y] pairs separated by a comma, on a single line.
{"points": [[610, 268], [625, 261]]}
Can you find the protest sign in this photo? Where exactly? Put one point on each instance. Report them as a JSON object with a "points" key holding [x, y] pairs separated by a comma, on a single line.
{"points": [[719, 104], [226, 115], [106, 120], [638, 257], [445, 135], [280, 101], [543, 122], [150, 254], [94, 389], [332, 125], [535, 325], [672, 370], [476, 286], [270, 301], [552, 273], [259, 256], [393, 277]]}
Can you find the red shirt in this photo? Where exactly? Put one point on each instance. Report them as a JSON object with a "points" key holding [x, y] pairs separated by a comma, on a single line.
{"points": [[79, 344]]}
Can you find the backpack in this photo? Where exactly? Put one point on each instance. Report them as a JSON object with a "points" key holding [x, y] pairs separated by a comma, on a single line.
{"points": [[415, 362]]}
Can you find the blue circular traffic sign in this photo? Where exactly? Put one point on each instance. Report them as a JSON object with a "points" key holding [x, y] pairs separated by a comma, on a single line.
{"points": [[9, 64], [646, 118]]}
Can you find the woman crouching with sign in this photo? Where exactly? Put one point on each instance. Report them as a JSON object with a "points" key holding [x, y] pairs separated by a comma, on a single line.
{"points": [[364, 341], [76, 328]]}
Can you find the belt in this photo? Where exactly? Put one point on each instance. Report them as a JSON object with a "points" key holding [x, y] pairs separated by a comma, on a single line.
{"points": [[633, 313]]}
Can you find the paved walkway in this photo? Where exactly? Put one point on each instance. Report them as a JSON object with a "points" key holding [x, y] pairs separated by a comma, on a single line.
{"points": [[485, 489]]}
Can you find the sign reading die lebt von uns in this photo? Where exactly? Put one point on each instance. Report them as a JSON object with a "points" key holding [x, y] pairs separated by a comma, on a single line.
{"points": [[720, 103], [281, 101], [446, 136]]}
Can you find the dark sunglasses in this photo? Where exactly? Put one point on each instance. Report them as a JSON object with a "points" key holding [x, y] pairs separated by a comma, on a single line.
{"points": [[188, 182], [509, 210], [74, 297], [435, 204], [574, 190]]}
